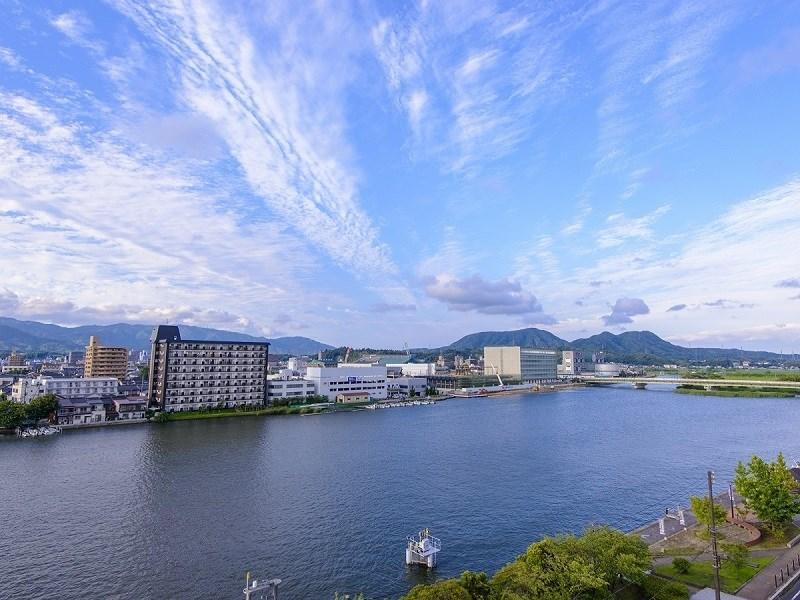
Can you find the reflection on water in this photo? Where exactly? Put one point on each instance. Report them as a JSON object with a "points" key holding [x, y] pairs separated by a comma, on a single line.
{"points": [[325, 502]]}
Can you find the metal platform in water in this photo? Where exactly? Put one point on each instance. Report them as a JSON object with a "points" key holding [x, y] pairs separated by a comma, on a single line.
{"points": [[423, 549]]}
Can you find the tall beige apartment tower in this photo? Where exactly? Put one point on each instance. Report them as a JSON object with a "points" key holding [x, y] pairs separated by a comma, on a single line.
{"points": [[105, 361]]}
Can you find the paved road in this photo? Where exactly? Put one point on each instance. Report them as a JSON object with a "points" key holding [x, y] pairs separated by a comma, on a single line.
{"points": [[793, 593]]}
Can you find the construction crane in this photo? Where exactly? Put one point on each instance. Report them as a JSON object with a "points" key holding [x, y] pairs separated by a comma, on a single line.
{"points": [[497, 374]]}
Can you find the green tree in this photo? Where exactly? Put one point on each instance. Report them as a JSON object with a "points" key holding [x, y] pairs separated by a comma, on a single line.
{"points": [[449, 589], [549, 569], [767, 489], [681, 565], [144, 371], [618, 558], [41, 407], [12, 414], [737, 555], [701, 511], [476, 584]]}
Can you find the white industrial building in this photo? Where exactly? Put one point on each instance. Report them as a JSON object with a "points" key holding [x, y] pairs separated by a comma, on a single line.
{"points": [[405, 385], [291, 388], [571, 363], [525, 364], [26, 389], [331, 381], [415, 369]]}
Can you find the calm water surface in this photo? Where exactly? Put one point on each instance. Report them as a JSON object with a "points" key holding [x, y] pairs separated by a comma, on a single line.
{"points": [[325, 502]]}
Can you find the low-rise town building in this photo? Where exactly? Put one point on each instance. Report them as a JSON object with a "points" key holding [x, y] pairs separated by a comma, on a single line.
{"points": [[26, 389], [131, 407], [352, 398], [80, 411]]}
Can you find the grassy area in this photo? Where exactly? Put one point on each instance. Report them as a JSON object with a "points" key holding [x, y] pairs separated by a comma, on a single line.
{"points": [[752, 375], [768, 540], [736, 392], [654, 587], [232, 412], [701, 574]]}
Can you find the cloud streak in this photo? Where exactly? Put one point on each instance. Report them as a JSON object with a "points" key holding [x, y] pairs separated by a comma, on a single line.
{"points": [[281, 120]]}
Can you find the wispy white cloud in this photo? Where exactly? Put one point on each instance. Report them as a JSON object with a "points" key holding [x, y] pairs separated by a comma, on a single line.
{"points": [[77, 27], [115, 233], [620, 228], [732, 262], [510, 66], [655, 54], [9, 58], [582, 212], [282, 120]]}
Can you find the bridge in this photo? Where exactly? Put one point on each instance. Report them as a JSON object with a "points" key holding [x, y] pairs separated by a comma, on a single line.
{"points": [[642, 382]]}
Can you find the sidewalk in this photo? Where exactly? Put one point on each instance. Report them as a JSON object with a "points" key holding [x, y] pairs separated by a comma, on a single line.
{"points": [[762, 586]]}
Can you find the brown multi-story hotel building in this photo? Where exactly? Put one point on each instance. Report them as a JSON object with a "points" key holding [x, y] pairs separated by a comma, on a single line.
{"points": [[105, 361], [194, 375]]}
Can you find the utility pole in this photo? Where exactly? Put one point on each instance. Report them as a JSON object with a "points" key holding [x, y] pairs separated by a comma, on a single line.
{"points": [[730, 495], [713, 531]]}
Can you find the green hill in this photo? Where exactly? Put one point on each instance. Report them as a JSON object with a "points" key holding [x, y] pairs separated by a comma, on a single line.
{"points": [[634, 347], [531, 337], [34, 337]]}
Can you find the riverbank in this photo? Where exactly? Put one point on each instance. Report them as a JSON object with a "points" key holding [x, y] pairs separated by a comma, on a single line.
{"points": [[232, 412], [736, 391]]}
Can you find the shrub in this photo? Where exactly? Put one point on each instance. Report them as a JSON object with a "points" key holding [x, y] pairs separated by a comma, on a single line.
{"points": [[161, 417], [737, 554], [681, 565]]}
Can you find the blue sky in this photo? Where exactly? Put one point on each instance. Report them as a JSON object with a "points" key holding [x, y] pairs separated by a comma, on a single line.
{"points": [[381, 173]]}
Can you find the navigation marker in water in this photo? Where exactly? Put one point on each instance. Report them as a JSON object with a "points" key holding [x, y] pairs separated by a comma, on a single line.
{"points": [[422, 549]]}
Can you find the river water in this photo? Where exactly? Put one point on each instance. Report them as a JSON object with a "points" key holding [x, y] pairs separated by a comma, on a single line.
{"points": [[183, 510]]}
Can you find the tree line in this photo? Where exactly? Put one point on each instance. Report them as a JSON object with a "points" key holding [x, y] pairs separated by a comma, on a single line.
{"points": [[14, 414], [601, 563]]}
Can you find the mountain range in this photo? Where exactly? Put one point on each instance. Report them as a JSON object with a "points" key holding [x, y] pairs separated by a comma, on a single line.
{"points": [[35, 337], [635, 347]]}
